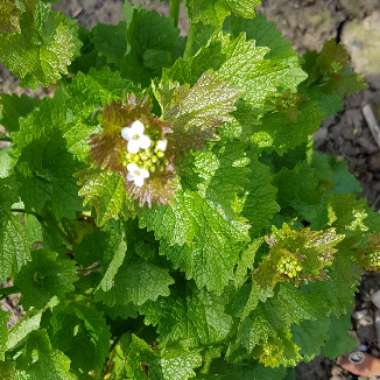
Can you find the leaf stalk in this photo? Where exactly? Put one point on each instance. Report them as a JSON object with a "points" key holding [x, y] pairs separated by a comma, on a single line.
{"points": [[174, 8]]}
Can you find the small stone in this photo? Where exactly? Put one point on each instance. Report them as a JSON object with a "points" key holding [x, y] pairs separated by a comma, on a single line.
{"points": [[356, 357], [363, 317], [363, 348], [368, 144], [348, 133], [361, 39], [374, 162], [360, 314], [357, 8]]}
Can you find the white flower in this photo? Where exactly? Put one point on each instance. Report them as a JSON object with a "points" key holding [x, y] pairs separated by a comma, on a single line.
{"points": [[137, 175], [135, 136], [162, 145]]}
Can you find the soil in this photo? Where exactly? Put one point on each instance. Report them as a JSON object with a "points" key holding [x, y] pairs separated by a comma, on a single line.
{"points": [[307, 23]]}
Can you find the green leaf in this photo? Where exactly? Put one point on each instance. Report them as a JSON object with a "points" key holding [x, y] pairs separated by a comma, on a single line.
{"points": [[134, 358], [87, 92], [223, 371], [243, 8], [153, 43], [235, 181], [108, 279], [8, 193], [81, 332], [332, 169], [207, 12], [45, 47], [290, 125], [261, 203], [47, 275], [330, 73], [243, 66], [246, 262], [223, 175], [311, 336], [194, 320], [206, 105], [23, 328], [213, 12], [299, 190], [14, 245], [339, 341], [46, 119], [326, 336], [255, 77], [45, 172], [7, 370], [33, 230], [197, 239], [178, 364], [99, 246], [6, 162], [110, 41], [266, 334], [4, 317], [105, 192], [138, 282], [12, 107], [264, 33], [41, 361]]}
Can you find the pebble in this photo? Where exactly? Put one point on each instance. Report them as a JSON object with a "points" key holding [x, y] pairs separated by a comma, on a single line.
{"points": [[367, 144], [377, 325], [374, 162], [359, 314], [363, 348], [361, 40]]}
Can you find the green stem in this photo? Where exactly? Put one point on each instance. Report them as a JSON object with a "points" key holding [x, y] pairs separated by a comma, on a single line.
{"points": [[189, 43], [5, 138], [174, 7], [5, 292]]}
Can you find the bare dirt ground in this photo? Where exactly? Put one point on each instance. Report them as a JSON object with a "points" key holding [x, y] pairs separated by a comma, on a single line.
{"points": [[307, 23]]}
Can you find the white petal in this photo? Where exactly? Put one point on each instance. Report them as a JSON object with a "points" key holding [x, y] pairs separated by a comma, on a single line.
{"points": [[145, 142], [137, 127], [162, 145], [126, 133], [133, 146], [144, 173], [139, 181], [132, 168], [130, 177]]}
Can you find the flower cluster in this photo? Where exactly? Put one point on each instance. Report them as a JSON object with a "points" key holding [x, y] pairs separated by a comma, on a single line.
{"points": [[136, 144], [369, 253], [289, 266], [144, 156]]}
